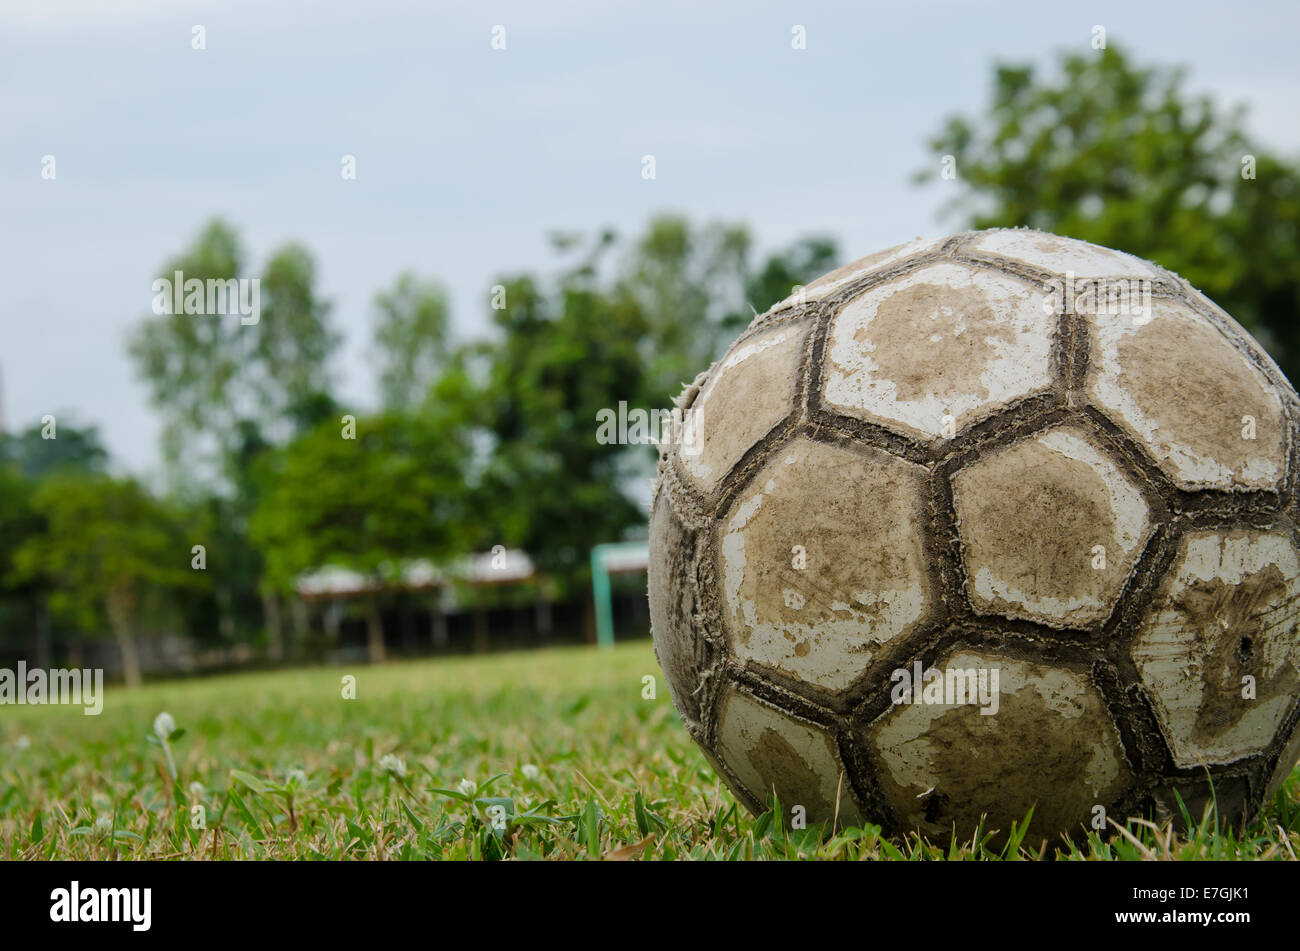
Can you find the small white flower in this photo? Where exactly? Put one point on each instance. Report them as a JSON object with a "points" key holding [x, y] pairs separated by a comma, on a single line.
{"points": [[468, 787], [296, 776], [392, 764], [530, 771], [163, 725], [197, 790], [103, 825], [23, 743]]}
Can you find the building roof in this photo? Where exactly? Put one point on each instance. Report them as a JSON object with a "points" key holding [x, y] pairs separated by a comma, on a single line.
{"points": [[500, 566]]}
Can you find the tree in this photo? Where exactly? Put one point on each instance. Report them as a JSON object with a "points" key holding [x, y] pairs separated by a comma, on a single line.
{"points": [[36, 453], [394, 492], [214, 377], [410, 339], [558, 359], [44, 448], [19, 594], [685, 280], [16, 517], [106, 547], [1124, 156], [230, 386]]}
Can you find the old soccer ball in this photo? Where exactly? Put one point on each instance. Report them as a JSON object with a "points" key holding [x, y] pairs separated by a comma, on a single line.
{"points": [[996, 521]]}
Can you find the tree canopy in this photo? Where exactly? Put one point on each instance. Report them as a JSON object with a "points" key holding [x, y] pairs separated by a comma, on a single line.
{"points": [[1125, 156], [106, 547]]}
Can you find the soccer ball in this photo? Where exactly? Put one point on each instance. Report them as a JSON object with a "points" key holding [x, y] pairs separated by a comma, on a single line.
{"points": [[992, 522]]}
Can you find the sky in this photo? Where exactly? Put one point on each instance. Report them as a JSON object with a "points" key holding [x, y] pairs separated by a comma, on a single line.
{"points": [[468, 156]]}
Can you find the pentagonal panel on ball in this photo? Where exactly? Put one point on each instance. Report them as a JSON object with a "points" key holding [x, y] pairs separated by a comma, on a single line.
{"points": [[821, 562], [938, 348], [967, 745], [1050, 529], [769, 750], [750, 391], [1218, 646], [1207, 417]]}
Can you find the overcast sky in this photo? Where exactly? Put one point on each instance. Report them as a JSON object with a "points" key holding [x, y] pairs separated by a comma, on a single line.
{"points": [[467, 156]]}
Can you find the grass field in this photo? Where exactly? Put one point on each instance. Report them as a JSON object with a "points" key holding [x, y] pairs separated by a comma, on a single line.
{"points": [[569, 761]]}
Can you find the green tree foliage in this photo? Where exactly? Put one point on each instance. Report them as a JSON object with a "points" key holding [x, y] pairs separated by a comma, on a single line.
{"points": [[1124, 156], [26, 458], [42, 449], [15, 511], [686, 281], [107, 548], [410, 339], [394, 492], [229, 389], [558, 358], [214, 378]]}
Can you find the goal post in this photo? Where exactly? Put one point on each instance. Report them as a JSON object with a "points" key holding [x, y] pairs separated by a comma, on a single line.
{"points": [[613, 558]]}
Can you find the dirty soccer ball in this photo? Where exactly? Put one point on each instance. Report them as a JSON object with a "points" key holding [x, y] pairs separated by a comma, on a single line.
{"points": [[982, 524]]}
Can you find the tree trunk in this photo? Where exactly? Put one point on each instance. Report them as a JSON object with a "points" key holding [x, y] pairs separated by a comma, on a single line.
{"points": [[589, 620], [225, 616], [375, 631], [408, 622], [542, 618], [333, 620], [274, 626], [480, 631], [43, 653], [301, 625], [119, 621], [438, 621]]}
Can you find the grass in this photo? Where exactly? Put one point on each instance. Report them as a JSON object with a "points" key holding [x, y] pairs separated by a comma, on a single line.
{"points": [[569, 760]]}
